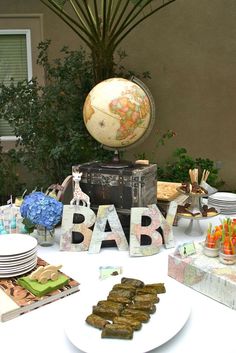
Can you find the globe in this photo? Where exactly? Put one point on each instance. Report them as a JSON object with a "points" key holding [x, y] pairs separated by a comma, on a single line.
{"points": [[118, 113]]}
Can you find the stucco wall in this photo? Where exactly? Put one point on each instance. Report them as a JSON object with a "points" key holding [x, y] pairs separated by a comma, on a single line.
{"points": [[190, 50]]}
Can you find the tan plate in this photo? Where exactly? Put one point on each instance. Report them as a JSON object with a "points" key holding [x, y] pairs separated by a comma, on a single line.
{"points": [[198, 217], [167, 191]]}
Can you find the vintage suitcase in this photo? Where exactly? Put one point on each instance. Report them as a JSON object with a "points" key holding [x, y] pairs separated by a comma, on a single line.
{"points": [[134, 186]]}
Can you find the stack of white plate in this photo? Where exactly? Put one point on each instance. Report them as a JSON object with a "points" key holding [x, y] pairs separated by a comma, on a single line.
{"points": [[224, 201], [18, 254]]}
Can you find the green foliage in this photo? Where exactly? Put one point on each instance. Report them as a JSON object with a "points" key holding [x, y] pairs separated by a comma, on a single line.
{"points": [[29, 226], [177, 170], [164, 137], [9, 175], [48, 120]]}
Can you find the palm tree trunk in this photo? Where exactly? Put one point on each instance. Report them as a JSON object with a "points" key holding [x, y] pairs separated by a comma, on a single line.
{"points": [[103, 64]]}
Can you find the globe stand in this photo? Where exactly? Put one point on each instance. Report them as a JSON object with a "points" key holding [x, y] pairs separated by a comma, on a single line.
{"points": [[116, 162]]}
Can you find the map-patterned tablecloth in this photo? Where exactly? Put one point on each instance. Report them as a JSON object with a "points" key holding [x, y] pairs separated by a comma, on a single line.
{"points": [[206, 275]]}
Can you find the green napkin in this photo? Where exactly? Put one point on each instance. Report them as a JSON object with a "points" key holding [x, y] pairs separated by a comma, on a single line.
{"points": [[40, 289]]}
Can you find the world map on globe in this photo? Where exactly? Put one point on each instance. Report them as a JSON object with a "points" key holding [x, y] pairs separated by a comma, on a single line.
{"points": [[117, 112]]}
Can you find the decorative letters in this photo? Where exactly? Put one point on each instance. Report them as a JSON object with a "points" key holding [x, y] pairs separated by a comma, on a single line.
{"points": [[159, 230], [107, 213], [137, 230], [68, 227]]}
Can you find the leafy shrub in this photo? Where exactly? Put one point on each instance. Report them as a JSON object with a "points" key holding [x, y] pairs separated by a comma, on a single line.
{"points": [[9, 175], [48, 119], [177, 170]]}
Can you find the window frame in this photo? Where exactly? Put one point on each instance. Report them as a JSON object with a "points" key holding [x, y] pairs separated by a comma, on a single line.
{"points": [[27, 33]]}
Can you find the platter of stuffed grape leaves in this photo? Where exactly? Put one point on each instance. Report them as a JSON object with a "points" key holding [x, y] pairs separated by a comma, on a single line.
{"points": [[127, 314]]}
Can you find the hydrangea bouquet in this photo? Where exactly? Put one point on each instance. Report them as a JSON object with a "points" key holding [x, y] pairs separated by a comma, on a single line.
{"points": [[42, 210]]}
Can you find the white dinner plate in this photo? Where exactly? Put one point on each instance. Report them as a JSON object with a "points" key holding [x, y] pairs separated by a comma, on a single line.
{"points": [[228, 212], [16, 244], [172, 313], [18, 268], [16, 258], [223, 196], [20, 262], [222, 204], [20, 272]]}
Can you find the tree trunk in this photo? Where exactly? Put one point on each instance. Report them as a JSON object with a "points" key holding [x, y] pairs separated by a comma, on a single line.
{"points": [[103, 64]]}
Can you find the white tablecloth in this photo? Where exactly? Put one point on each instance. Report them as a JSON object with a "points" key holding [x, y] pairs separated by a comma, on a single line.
{"points": [[210, 327]]}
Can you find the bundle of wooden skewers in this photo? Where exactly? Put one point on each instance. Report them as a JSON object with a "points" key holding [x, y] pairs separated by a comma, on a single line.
{"points": [[193, 173], [205, 175], [194, 187]]}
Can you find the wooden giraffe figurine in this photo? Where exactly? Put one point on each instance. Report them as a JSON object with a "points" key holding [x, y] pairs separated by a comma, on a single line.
{"points": [[79, 195]]}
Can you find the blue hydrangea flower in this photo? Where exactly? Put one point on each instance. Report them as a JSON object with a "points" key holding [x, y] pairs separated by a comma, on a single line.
{"points": [[41, 209]]}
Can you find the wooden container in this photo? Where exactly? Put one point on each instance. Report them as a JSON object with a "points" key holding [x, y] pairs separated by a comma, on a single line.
{"points": [[133, 186]]}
